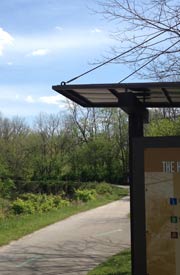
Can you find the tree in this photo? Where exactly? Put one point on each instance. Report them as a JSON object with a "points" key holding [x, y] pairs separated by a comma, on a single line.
{"points": [[85, 120], [162, 127], [160, 113], [114, 124], [14, 147], [47, 137], [151, 29], [99, 142]]}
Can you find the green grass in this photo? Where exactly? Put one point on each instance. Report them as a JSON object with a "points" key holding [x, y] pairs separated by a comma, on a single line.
{"points": [[15, 227], [119, 264]]}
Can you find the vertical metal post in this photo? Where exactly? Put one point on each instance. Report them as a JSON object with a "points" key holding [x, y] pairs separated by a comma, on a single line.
{"points": [[138, 247]]}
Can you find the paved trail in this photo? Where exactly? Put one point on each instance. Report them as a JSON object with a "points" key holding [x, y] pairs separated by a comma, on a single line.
{"points": [[72, 246]]}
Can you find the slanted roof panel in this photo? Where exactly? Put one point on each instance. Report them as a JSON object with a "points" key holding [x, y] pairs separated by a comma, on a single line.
{"points": [[152, 94]]}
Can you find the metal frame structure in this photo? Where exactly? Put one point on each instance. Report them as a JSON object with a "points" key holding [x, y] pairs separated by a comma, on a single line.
{"points": [[134, 99]]}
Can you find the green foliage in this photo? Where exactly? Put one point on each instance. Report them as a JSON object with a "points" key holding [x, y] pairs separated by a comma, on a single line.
{"points": [[6, 188], [104, 188], [4, 207], [65, 188], [23, 207], [41, 159], [104, 161], [85, 195], [162, 127], [59, 202], [13, 227], [119, 264], [45, 204], [31, 203]]}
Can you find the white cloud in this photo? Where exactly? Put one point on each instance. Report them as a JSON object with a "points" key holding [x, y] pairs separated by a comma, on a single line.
{"points": [[96, 30], [9, 63], [5, 40], [51, 43], [56, 99], [40, 52], [59, 28], [25, 100], [29, 99]]}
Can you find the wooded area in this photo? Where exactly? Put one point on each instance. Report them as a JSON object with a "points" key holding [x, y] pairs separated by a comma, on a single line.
{"points": [[84, 145]]}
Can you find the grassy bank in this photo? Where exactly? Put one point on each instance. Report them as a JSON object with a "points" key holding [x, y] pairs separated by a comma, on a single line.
{"points": [[119, 264], [17, 226]]}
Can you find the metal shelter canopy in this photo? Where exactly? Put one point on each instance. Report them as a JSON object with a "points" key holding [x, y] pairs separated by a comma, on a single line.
{"points": [[134, 99], [123, 95]]}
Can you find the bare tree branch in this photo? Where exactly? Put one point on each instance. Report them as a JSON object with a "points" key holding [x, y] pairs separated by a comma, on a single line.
{"points": [[139, 20]]}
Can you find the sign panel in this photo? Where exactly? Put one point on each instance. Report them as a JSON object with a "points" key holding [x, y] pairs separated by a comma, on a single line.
{"points": [[162, 210]]}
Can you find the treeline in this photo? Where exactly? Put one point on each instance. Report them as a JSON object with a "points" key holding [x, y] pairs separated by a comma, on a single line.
{"points": [[84, 145]]}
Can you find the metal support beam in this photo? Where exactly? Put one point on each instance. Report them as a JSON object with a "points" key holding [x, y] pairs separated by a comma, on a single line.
{"points": [[132, 106], [137, 229], [138, 115]]}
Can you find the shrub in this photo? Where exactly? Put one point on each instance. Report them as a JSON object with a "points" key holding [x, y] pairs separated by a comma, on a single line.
{"points": [[22, 207], [104, 188], [59, 202], [31, 197], [45, 203], [85, 195], [31, 203]]}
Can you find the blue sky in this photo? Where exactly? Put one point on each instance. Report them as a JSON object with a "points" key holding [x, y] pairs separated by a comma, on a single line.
{"points": [[44, 42]]}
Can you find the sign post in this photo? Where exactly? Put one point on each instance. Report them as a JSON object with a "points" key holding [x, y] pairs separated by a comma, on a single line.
{"points": [[157, 175]]}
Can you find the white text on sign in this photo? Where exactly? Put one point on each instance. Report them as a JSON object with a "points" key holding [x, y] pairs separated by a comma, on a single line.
{"points": [[171, 166]]}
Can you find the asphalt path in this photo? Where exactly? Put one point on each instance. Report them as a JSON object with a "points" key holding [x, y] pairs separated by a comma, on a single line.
{"points": [[73, 246]]}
